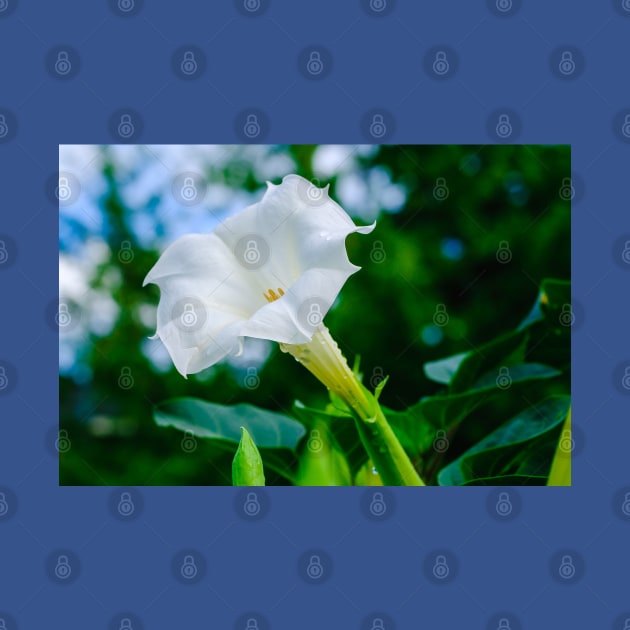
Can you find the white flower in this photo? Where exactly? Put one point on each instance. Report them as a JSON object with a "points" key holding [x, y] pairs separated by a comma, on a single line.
{"points": [[271, 272]]}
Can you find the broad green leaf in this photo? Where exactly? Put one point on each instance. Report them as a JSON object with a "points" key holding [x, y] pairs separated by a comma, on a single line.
{"points": [[443, 411], [247, 466], [523, 445], [514, 373], [275, 434], [504, 350], [443, 370]]}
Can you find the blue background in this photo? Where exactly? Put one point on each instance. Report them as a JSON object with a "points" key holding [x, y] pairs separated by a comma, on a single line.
{"points": [[373, 62]]}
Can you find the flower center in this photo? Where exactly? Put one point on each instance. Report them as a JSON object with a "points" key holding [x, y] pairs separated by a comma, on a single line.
{"points": [[273, 296]]}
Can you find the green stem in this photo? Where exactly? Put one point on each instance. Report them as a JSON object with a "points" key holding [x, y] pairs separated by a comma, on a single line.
{"points": [[386, 452], [323, 358]]}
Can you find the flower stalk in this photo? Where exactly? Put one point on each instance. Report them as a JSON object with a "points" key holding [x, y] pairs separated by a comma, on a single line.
{"points": [[323, 358]]}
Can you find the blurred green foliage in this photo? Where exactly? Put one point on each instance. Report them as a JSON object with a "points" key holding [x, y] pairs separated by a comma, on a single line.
{"points": [[444, 252]]}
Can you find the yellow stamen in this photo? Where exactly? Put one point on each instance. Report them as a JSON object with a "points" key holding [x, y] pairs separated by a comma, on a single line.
{"points": [[273, 296]]}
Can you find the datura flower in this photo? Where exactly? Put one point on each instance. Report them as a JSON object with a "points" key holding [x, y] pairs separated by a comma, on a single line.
{"points": [[272, 271]]}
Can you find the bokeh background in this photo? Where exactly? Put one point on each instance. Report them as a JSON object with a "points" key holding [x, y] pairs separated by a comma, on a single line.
{"points": [[464, 236]]}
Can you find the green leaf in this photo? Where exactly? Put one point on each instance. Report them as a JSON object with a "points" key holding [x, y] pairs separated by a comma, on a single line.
{"points": [[560, 473], [523, 445], [247, 466], [514, 373], [503, 350], [554, 294], [275, 434], [444, 411], [379, 388], [443, 370]]}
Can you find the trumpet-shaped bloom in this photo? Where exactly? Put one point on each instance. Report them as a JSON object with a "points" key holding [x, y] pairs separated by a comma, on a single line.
{"points": [[271, 272]]}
